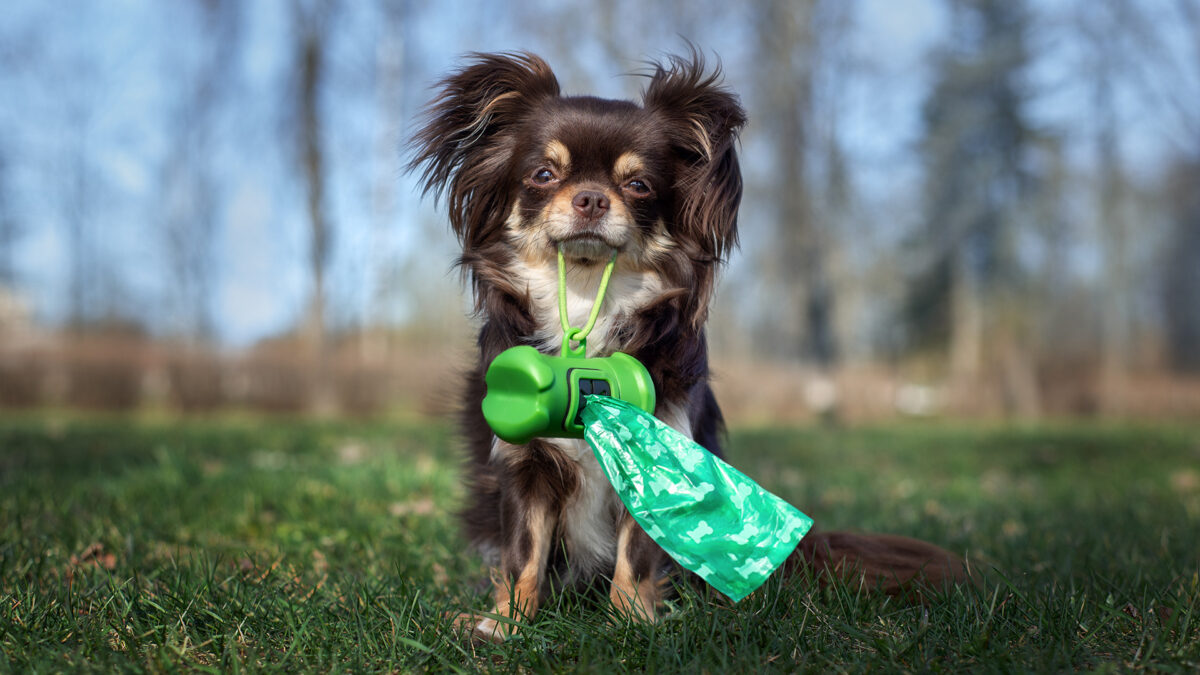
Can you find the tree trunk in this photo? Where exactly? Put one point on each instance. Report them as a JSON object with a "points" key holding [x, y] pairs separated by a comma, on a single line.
{"points": [[311, 69]]}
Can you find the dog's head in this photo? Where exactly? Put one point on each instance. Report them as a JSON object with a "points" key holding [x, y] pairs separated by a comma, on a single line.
{"points": [[526, 170]]}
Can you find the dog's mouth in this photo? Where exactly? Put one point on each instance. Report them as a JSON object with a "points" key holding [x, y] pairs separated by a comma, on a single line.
{"points": [[587, 247]]}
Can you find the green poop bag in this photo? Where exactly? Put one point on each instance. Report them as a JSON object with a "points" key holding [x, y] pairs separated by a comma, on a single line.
{"points": [[707, 515]]}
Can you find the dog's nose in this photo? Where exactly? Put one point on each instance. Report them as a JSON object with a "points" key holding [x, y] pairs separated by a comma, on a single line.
{"points": [[590, 204]]}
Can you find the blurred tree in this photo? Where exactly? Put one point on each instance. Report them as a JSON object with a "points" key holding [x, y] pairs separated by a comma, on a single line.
{"points": [[312, 24], [1181, 282], [98, 294], [1161, 41], [1100, 40], [976, 148], [191, 190], [393, 73], [807, 174], [78, 202], [10, 228]]}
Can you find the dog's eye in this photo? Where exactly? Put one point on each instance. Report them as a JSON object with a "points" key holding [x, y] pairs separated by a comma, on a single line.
{"points": [[543, 176], [638, 187]]}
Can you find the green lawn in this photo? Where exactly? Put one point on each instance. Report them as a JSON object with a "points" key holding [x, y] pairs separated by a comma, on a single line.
{"points": [[300, 546]]}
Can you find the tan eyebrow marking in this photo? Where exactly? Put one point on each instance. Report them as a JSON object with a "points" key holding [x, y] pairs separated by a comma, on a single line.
{"points": [[628, 165], [558, 155]]}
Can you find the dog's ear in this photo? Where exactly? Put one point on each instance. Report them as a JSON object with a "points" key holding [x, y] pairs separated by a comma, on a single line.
{"points": [[466, 143], [702, 120]]}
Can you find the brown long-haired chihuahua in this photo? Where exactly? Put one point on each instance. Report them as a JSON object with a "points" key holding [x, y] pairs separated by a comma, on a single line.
{"points": [[526, 171]]}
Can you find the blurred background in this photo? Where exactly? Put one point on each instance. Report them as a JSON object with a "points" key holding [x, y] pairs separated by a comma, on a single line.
{"points": [[976, 208]]}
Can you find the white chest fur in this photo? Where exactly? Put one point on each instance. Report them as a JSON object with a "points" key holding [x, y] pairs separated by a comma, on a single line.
{"points": [[628, 291]]}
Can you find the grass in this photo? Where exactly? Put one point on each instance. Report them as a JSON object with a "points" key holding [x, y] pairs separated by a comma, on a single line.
{"points": [[233, 546]]}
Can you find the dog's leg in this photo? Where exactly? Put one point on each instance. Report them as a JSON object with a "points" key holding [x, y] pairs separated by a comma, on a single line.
{"points": [[517, 588], [516, 583], [535, 480], [636, 588]]}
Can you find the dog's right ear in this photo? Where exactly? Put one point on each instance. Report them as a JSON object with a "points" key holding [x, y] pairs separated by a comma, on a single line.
{"points": [[466, 143]]}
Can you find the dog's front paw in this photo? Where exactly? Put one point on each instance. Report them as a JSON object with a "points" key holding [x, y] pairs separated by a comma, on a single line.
{"points": [[638, 604], [480, 629]]}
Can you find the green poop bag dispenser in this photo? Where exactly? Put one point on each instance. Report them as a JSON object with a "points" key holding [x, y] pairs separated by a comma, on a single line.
{"points": [[530, 394]]}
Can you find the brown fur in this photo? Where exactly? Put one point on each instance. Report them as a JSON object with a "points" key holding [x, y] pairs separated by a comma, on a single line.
{"points": [[525, 171]]}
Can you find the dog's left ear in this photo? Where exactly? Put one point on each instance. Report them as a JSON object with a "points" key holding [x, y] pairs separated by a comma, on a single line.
{"points": [[702, 120]]}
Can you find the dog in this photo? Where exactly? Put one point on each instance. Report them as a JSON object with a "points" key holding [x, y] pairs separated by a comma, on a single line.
{"points": [[526, 172]]}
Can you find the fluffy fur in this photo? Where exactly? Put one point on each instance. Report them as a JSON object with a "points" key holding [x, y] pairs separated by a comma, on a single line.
{"points": [[524, 170]]}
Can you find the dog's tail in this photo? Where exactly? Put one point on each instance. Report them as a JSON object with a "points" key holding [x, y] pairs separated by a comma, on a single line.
{"points": [[892, 564]]}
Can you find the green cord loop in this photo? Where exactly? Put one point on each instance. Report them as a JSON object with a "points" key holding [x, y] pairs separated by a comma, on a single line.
{"points": [[579, 334]]}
